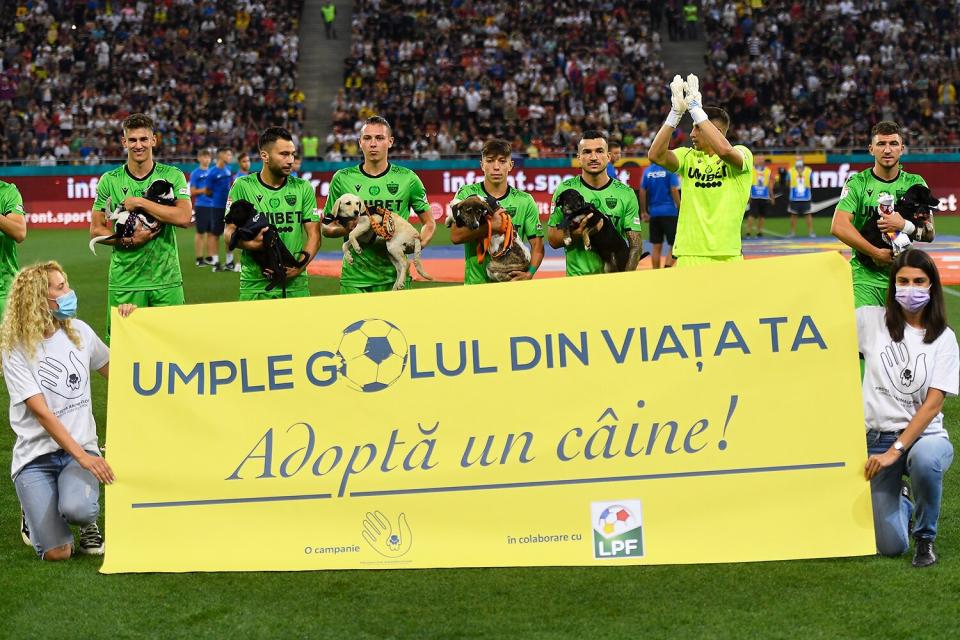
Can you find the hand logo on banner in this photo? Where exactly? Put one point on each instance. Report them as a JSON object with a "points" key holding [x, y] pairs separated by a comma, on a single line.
{"points": [[896, 362], [380, 536]]}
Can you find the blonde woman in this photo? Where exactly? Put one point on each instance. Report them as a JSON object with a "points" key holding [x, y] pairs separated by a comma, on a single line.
{"points": [[47, 358]]}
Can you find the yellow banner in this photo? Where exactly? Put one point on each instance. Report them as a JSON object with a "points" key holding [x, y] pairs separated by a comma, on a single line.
{"points": [[704, 415]]}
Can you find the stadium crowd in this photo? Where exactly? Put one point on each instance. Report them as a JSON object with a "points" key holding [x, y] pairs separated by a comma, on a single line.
{"points": [[792, 74], [71, 70]]}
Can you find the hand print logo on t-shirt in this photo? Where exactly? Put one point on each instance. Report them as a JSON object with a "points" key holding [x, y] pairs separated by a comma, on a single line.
{"points": [[904, 376], [64, 379]]}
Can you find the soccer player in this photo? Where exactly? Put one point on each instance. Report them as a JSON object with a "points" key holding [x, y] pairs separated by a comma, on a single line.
{"points": [[761, 195], [289, 203], [13, 231], [614, 148], [219, 181], [496, 164], [659, 205], [609, 195], [145, 268], [378, 183], [243, 161], [858, 207], [798, 179], [715, 179], [203, 208]]}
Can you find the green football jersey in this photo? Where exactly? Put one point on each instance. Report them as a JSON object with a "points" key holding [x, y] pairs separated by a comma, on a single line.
{"points": [[859, 197], [397, 189], [617, 200], [11, 204], [715, 197], [155, 265], [526, 220], [288, 207]]}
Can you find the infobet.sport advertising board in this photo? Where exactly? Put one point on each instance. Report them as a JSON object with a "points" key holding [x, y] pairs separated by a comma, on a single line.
{"points": [[65, 201], [554, 422]]}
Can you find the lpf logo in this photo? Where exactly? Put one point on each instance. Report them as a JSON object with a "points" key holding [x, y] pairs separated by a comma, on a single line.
{"points": [[617, 529]]}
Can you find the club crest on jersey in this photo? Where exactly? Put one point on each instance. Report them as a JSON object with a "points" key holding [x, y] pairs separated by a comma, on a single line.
{"points": [[512, 211], [274, 202], [611, 203], [374, 190], [291, 199], [393, 187]]}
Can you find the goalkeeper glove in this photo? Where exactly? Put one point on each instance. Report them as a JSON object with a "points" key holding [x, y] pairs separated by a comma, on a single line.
{"points": [[677, 104], [693, 99]]}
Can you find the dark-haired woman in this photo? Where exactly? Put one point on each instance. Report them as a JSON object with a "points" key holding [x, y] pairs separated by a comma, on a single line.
{"points": [[911, 365]]}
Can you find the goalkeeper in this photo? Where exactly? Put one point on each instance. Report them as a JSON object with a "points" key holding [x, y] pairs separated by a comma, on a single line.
{"points": [[715, 178]]}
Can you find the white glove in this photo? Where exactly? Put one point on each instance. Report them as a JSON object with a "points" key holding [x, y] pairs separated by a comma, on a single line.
{"points": [[677, 104], [693, 99]]}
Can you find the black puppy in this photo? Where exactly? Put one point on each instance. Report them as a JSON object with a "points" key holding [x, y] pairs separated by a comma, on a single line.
{"points": [[599, 235], [160, 191], [275, 256], [917, 206]]}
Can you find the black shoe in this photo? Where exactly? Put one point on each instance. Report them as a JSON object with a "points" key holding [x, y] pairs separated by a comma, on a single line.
{"points": [[923, 555], [200, 262], [91, 540]]}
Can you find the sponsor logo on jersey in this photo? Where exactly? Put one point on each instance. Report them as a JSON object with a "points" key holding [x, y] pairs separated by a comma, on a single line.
{"points": [[184, 191], [357, 187], [291, 199], [125, 190], [259, 198], [393, 187], [869, 192], [374, 190], [611, 203]]}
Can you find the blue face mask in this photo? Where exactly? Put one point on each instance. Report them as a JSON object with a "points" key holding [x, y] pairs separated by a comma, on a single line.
{"points": [[67, 306]]}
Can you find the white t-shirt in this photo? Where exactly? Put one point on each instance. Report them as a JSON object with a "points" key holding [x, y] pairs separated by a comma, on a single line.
{"points": [[897, 375], [60, 372]]}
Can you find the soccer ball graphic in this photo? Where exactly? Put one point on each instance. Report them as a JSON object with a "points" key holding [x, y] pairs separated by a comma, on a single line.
{"points": [[616, 520], [373, 354]]}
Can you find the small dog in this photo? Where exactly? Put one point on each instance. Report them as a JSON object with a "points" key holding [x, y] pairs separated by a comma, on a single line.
{"points": [[600, 234], [275, 257], [126, 222], [377, 223], [917, 206], [507, 254]]}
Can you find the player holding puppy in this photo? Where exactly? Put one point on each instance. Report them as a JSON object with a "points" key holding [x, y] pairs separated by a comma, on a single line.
{"points": [[858, 208], [289, 203], [609, 195], [715, 179], [144, 268], [378, 183], [496, 164]]}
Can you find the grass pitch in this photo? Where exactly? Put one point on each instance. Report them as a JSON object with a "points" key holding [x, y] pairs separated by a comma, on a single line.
{"points": [[834, 598]]}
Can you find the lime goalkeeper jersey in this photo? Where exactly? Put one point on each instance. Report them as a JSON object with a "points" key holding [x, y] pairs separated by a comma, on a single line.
{"points": [[526, 220], [287, 207], [859, 197], [11, 204], [615, 199], [715, 196], [397, 189], [155, 265]]}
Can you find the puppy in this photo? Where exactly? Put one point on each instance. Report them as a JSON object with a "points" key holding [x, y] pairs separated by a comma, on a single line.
{"points": [[599, 235], [275, 257], [505, 251], [377, 223], [126, 222], [917, 206]]}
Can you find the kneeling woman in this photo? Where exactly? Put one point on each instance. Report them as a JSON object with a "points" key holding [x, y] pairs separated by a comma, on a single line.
{"points": [[47, 359], [911, 365]]}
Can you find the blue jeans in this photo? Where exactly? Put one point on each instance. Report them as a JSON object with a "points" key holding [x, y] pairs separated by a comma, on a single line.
{"points": [[55, 490], [925, 462]]}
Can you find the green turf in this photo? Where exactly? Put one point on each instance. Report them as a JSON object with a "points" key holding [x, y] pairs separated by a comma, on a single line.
{"points": [[845, 598]]}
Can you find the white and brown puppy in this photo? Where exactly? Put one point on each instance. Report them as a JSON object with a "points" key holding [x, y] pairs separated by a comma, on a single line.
{"points": [[373, 224], [504, 255]]}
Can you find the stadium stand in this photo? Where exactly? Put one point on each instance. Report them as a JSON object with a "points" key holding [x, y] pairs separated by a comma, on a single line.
{"points": [[71, 69], [447, 75], [821, 74]]}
